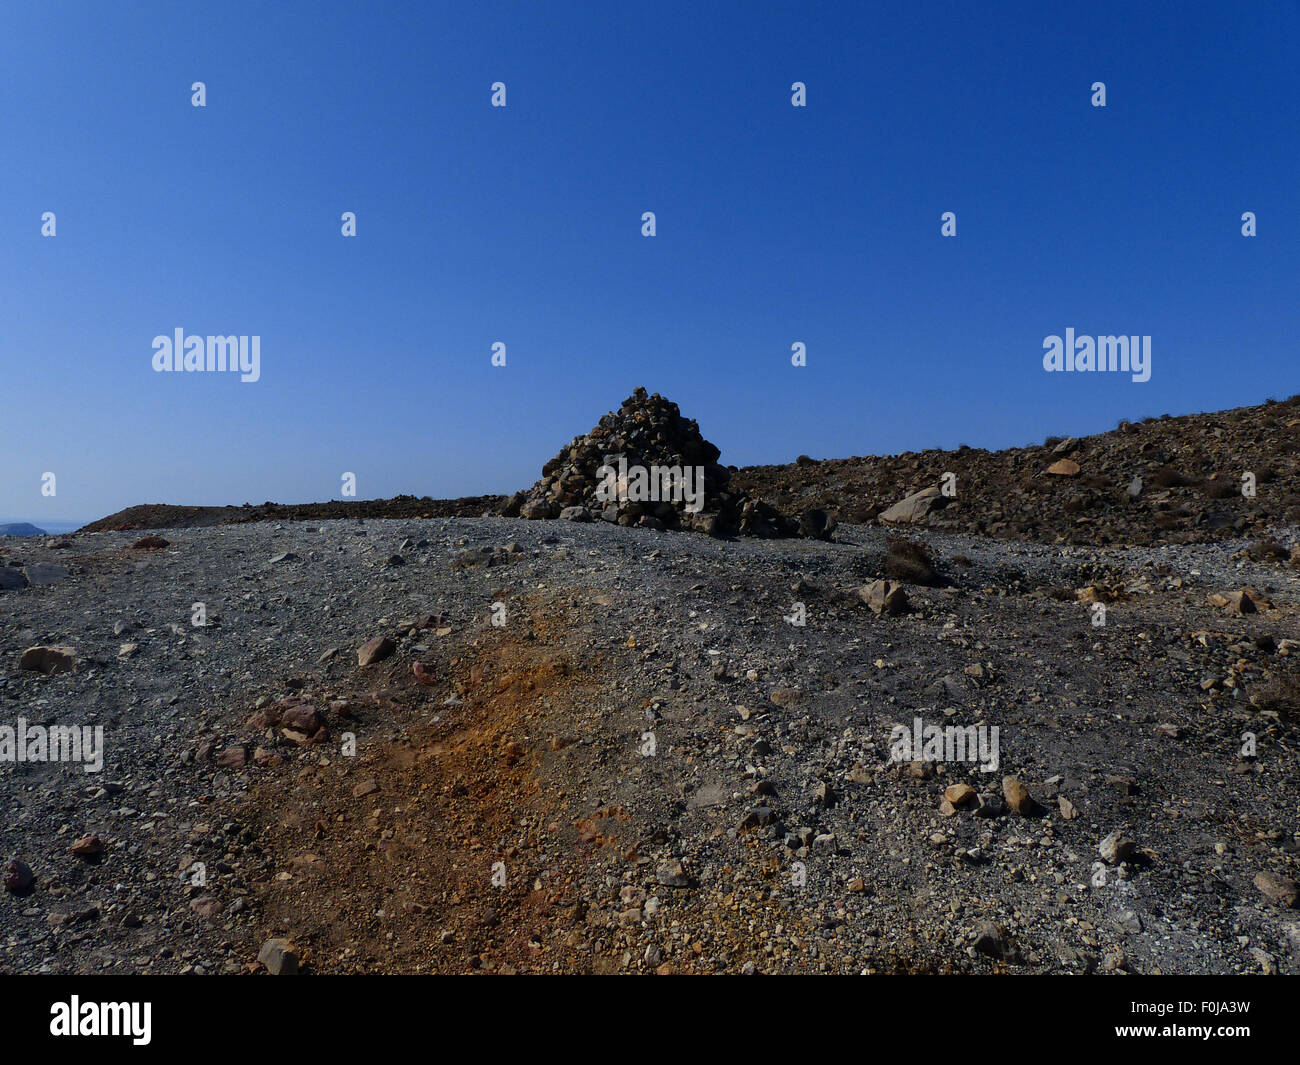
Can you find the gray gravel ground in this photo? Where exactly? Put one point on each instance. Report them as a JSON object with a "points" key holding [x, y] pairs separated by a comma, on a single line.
{"points": [[772, 743]]}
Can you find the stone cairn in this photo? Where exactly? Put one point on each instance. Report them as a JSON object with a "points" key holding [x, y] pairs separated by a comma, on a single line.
{"points": [[649, 432]]}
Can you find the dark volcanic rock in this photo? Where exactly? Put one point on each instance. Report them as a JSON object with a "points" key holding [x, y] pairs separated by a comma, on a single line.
{"points": [[18, 877], [43, 573]]}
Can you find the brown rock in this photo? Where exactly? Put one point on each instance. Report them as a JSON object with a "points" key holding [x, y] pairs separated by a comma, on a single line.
{"points": [[959, 794], [1117, 847], [1123, 782], [1018, 797], [233, 758], [884, 597], [48, 660], [88, 847], [1278, 889], [301, 739], [150, 543], [1068, 810], [990, 939], [19, 877], [307, 863], [1064, 468], [302, 717], [375, 650], [267, 717], [672, 874], [279, 957], [1233, 602], [1244, 601], [1258, 598], [206, 906]]}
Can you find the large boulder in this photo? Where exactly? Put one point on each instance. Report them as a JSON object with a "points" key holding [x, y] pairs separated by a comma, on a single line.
{"points": [[914, 507], [42, 573]]}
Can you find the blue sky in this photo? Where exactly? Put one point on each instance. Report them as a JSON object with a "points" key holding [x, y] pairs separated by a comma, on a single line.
{"points": [[522, 225]]}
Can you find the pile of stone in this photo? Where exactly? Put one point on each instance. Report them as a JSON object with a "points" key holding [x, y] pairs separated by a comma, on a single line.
{"points": [[639, 466]]}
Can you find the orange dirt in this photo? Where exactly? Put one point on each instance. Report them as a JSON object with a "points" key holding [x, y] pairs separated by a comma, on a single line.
{"points": [[401, 879]]}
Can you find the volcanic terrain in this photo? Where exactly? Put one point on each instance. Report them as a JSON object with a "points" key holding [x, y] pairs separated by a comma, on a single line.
{"points": [[437, 736]]}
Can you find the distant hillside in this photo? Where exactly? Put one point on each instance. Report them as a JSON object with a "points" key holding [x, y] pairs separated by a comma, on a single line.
{"points": [[21, 528], [167, 516], [1162, 480]]}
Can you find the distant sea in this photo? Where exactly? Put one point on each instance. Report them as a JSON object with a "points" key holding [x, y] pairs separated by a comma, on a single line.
{"points": [[54, 528]]}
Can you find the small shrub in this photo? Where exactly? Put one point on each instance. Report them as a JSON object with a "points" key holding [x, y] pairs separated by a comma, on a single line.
{"points": [[1221, 487], [1268, 551], [1280, 694], [909, 563], [1168, 477]]}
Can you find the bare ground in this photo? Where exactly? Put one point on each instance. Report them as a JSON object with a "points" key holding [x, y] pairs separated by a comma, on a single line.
{"points": [[509, 816]]}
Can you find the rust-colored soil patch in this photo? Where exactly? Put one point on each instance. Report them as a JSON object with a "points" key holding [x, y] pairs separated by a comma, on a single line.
{"points": [[480, 835], [424, 853]]}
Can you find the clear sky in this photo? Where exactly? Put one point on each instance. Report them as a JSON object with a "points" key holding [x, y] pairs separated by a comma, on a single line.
{"points": [[522, 225]]}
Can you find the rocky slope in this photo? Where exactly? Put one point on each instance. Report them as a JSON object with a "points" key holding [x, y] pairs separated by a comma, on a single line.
{"points": [[1163, 480]]}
